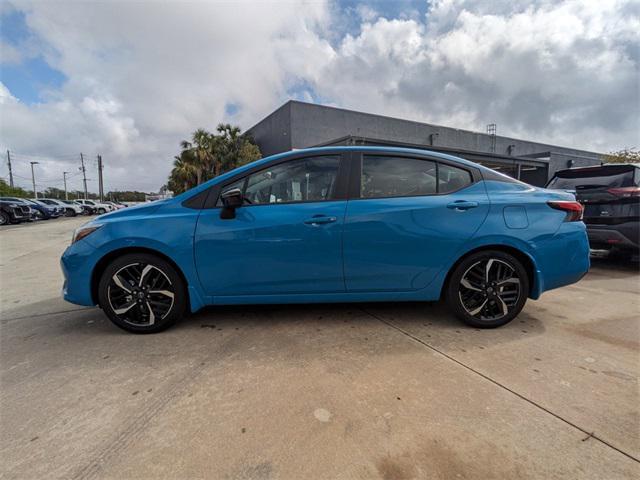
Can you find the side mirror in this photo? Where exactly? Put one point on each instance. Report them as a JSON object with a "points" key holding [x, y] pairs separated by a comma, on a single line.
{"points": [[231, 199]]}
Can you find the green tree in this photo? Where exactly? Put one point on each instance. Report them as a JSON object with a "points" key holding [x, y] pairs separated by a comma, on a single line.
{"points": [[126, 196], [8, 191], [627, 155], [183, 176], [52, 192], [208, 155]]}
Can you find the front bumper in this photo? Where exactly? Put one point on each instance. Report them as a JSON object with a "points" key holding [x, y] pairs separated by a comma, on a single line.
{"points": [[77, 263]]}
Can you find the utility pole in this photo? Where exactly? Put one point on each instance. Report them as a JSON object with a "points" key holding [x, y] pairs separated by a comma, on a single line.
{"points": [[33, 179], [84, 175], [64, 177], [10, 171], [100, 184]]}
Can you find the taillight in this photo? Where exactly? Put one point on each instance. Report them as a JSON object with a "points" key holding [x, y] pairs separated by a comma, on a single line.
{"points": [[625, 192], [574, 209]]}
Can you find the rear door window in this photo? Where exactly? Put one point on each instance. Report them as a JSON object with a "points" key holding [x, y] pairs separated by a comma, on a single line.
{"points": [[389, 176], [384, 176]]}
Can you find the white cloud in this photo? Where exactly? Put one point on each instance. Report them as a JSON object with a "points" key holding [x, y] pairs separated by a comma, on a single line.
{"points": [[142, 76], [563, 72]]}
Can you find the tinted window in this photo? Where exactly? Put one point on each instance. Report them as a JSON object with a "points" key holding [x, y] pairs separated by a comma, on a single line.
{"points": [[310, 179], [451, 178], [594, 178], [384, 176]]}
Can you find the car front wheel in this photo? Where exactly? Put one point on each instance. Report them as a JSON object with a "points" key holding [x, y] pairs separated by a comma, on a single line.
{"points": [[142, 293], [488, 289]]}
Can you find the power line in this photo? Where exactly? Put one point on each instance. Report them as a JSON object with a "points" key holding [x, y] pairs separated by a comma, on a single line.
{"points": [[45, 157]]}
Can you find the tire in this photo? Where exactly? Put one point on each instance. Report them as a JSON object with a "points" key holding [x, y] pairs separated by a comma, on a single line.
{"points": [[101, 211], [70, 212], [132, 315], [4, 219], [483, 304]]}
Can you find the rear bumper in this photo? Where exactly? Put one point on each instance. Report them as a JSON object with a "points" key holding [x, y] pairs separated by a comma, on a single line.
{"points": [[563, 259], [624, 235]]}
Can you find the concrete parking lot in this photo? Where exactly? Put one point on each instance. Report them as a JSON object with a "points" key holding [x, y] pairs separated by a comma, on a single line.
{"points": [[391, 391]]}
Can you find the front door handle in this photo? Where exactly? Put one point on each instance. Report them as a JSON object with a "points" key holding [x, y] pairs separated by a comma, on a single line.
{"points": [[320, 220], [462, 205]]}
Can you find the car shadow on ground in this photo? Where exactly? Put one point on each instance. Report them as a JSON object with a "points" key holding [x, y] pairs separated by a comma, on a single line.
{"points": [[424, 322]]}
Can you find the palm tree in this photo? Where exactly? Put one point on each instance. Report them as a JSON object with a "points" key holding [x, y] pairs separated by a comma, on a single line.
{"points": [[203, 152], [184, 173], [209, 154], [230, 146]]}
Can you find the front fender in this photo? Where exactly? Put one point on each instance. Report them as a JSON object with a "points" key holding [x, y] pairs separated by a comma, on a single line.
{"points": [[175, 230]]}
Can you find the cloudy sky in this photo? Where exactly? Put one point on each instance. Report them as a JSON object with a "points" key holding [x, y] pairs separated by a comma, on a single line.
{"points": [[129, 80]]}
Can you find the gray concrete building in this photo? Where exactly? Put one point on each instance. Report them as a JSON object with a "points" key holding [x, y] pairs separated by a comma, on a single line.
{"points": [[298, 125]]}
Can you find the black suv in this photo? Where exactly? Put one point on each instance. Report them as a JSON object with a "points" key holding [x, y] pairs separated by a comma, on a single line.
{"points": [[11, 212], [611, 198]]}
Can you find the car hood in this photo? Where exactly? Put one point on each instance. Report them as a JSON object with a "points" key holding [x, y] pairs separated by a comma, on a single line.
{"points": [[137, 210]]}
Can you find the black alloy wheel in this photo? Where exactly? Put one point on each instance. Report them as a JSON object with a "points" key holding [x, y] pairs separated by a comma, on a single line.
{"points": [[142, 293], [488, 289]]}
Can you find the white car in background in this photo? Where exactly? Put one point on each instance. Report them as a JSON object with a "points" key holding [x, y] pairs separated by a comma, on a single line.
{"points": [[117, 206], [99, 207], [71, 210]]}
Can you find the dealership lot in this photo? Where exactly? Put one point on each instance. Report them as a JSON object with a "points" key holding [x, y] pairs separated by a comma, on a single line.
{"points": [[391, 391]]}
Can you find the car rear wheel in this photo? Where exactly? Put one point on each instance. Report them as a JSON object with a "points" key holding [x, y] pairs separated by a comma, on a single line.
{"points": [[142, 293], [101, 211], [70, 212], [488, 289]]}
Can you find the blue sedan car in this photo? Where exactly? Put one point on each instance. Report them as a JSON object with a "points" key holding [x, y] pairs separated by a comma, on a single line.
{"points": [[333, 224]]}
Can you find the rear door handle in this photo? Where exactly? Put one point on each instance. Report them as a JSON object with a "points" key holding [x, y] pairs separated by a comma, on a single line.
{"points": [[320, 220], [462, 205]]}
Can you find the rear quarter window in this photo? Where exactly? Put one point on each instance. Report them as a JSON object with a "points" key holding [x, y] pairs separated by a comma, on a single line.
{"points": [[452, 178]]}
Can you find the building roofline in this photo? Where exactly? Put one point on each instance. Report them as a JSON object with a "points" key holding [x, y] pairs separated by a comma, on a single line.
{"points": [[595, 155], [437, 148]]}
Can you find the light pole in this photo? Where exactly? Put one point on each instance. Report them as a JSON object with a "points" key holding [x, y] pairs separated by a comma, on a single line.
{"points": [[64, 177], [33, 179]]}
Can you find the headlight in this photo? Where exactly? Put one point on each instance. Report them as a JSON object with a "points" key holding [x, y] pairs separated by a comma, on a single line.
{"points": [[80, 233]]}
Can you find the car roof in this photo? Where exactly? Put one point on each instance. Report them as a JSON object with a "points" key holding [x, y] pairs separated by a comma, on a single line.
{"points": [[329, 150]]}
